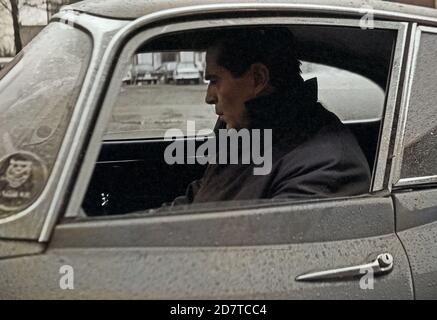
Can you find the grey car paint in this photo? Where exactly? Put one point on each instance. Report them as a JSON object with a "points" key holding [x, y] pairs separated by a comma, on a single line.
{"points": [[417, 228], [12, 248], [415, 193], [232, 255], [187, 256], [134, 9]]}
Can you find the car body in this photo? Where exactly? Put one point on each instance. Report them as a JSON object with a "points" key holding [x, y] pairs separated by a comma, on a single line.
{"points": [[63, 190], [186, 72]]}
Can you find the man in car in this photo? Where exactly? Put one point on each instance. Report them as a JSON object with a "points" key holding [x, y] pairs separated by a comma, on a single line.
{"points": [[255, 83]]}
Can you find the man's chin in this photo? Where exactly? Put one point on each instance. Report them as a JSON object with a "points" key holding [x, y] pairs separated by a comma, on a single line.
{"points": [[228, 124], [221, 118]]}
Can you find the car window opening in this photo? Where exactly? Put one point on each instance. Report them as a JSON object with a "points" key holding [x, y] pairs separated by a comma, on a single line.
{"points": [[131, 174]]}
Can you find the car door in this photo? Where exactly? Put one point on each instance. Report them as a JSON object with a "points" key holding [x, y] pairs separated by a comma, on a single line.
{"points": [[243, 250], [415, 174]]}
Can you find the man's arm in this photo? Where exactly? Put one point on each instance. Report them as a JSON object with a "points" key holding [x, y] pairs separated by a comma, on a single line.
{"points": [[190, 193], [322, 169]]}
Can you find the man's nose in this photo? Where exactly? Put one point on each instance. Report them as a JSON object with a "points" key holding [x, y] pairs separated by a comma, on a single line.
{"points": [[210, 97]]}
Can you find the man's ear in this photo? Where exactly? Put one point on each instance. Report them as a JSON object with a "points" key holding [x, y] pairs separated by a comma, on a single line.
{"points": [[261, 77]]}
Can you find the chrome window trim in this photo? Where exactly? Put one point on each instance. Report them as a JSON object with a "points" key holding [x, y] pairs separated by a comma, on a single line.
{"points": [[111, 92], [331, 9], [362, 121], [396, 179], [406, 182], [397, 152], [384, 142]]}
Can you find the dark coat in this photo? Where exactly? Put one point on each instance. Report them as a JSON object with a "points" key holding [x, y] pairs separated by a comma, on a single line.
{"points": [[314, 155]]}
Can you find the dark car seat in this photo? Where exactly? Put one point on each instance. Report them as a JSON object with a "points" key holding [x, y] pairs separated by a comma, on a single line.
{"points": [[367, 134]]}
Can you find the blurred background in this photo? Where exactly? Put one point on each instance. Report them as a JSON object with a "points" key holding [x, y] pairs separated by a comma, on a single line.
{"points": [[21, 20]]}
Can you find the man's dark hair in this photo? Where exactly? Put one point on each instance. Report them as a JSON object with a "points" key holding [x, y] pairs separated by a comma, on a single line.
{"points": [[274, 47]]}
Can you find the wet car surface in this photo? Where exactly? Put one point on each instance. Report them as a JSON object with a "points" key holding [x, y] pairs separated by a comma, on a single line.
{"points": [[82, 176]]}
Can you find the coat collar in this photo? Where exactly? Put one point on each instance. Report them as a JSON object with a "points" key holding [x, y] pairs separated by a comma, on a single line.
{"points": [[280, 109]]}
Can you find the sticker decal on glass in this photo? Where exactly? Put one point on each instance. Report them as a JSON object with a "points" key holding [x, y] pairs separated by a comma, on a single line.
{"points": [[22, 177]]}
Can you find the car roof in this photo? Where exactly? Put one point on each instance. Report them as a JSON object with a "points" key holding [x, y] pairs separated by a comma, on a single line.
{"points": [[132, 9]]}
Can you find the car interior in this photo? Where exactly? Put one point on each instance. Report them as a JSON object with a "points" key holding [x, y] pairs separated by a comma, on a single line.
{"points": [[132, 176]]}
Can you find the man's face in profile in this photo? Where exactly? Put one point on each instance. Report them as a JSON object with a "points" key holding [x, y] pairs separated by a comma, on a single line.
{"points": [[227, 92]]}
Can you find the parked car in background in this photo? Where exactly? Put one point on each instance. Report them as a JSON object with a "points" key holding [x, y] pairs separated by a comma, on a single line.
{"points": [[72, 200], [186, 72], [165, 72], [144, 73]]}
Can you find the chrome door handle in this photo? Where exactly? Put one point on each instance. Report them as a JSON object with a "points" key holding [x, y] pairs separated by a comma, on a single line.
{"points": [[382, 264]]}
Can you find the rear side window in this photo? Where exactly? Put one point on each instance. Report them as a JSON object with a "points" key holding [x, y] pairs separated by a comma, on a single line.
{"points": [[420, 144], [38, 91]]}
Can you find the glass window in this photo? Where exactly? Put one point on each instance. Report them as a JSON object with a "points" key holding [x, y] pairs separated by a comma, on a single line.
{"points": [[157, 96], [164, 88], [350, 96], [161, 92], [420, 152], [37, 93]]}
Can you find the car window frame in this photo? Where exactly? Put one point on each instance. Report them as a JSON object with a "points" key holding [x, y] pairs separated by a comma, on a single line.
{"points": [[130, 38], [396, 180]]}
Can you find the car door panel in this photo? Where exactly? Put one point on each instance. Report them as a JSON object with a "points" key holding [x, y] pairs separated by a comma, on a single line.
{"points": [[306, 222], [416, 213], [254, 253], [14, 248], [208, 272]]}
